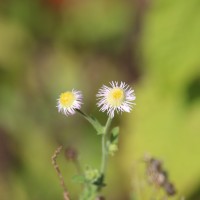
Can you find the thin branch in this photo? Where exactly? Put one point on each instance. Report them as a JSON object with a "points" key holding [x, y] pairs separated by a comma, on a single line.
{"points": [[62, 182]]}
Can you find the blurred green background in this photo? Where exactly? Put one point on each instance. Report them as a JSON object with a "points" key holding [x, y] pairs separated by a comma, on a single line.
{"points": [[50, 46]]}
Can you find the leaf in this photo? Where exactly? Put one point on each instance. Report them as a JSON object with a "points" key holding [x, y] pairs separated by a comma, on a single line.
{"points": [[100, 182], [115, 131], [99, 128], [114, 135], [93, 121]]}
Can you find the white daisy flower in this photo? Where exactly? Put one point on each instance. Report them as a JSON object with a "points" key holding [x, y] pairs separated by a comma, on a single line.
{"points": [[117, 98], [69, 101]]}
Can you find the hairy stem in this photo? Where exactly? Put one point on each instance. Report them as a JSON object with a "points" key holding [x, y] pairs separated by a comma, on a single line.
{"points": [[104, 148], [62, 182]]}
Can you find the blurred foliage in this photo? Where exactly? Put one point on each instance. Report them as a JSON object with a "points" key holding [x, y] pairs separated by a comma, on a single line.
{"points": [[166, 119], [49, 46]]}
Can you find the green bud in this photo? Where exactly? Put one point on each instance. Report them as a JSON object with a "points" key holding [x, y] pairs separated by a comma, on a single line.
{"points": [[91, 174], [112, 148]]}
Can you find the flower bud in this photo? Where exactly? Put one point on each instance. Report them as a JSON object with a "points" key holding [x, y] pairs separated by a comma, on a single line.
{"points": [[91, 174], [112, 148]]}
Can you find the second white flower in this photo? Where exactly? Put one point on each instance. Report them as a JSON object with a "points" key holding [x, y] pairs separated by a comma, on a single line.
{"points": [[118, 97]]}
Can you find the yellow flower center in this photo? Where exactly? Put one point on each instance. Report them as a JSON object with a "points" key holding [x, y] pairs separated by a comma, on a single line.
{"points": [[67, 99], [116, 97]]}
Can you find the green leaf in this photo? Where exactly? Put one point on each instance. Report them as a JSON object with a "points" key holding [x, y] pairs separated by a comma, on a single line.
{"points": [[98, 127], [93, 121], [100, 182], [115, 131], [114, 135], [78, 179]]}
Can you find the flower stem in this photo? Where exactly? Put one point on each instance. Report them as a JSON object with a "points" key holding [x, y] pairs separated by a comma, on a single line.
{"points": [[104, 148]]}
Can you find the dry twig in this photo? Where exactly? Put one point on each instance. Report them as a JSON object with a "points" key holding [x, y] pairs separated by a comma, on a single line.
{"points": [[62, 182]]}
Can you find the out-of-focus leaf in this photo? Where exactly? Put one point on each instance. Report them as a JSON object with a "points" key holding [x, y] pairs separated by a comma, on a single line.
{"points": [[162, 124]]}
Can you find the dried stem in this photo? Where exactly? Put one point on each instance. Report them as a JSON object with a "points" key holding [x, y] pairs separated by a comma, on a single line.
{"points": [[62, 182]]}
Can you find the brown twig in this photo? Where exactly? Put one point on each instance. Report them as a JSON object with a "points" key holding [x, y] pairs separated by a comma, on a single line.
{"points": [[62, 182]]}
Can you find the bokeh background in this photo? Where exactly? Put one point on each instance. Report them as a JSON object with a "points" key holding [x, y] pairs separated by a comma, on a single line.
{"points": [[50, 46]]}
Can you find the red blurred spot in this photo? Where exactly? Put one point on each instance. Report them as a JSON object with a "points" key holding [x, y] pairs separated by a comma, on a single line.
{"points": [[58, 5], [54, 4]]}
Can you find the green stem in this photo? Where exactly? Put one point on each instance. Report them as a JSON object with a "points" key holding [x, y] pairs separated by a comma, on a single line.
{"points": [[104, 148], [104, 131]]}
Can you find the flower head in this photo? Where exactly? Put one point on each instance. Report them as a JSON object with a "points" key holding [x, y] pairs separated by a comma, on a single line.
{"points": [[117, 98], [69, 101]]}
